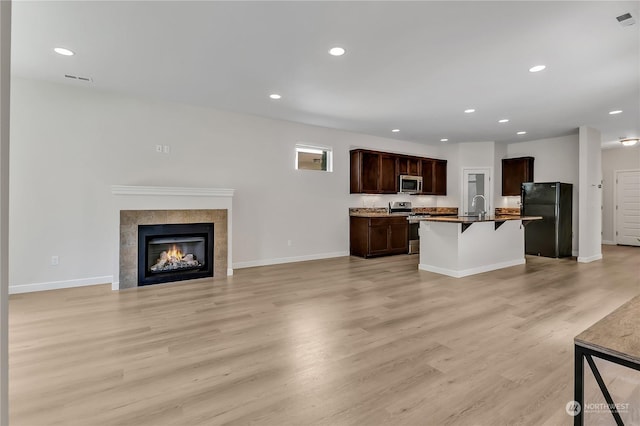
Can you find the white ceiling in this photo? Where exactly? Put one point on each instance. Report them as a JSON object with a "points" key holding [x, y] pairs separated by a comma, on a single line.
{"points": [[409, 65]]}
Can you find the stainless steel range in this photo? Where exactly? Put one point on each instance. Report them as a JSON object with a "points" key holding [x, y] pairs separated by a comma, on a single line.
{"points": [[400, 207], [414, 231], [404, 207]]}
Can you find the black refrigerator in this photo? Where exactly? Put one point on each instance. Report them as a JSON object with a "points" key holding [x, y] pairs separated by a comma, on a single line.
{"points": [[551, 236]]}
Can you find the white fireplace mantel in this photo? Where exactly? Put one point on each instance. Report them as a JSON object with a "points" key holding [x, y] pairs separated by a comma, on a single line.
{"points": [[170, 190], [128, 197]]}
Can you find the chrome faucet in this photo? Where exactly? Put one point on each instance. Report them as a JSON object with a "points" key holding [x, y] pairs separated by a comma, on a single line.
{"points": [[473, 204]]}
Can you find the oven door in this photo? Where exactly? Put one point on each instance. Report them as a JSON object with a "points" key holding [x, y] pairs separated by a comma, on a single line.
{"points": [[414, 237]]}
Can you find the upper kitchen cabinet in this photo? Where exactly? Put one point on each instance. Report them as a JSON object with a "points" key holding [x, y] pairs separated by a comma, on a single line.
{"points": [[373, 172], [388, 174], [434, 177], [516, 171], [409, 166], [440, 185]]}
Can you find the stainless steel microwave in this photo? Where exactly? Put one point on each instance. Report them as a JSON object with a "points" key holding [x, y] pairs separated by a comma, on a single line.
{"points": [[410, 184]]}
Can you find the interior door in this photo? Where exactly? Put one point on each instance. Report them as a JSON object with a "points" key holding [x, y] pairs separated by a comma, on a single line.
{"points": [[476, 182], [628, 208]]}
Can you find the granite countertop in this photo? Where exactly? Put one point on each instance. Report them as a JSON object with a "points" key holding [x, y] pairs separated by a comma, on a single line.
{"points": [[474, 219], [376, 214], [617, 334], [384, 212]]}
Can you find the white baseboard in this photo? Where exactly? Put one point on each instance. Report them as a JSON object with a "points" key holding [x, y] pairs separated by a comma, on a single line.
{"points": [[55, 285], [229, 272], [588, 259], [608, 243], [471, 271], [277, 261]]}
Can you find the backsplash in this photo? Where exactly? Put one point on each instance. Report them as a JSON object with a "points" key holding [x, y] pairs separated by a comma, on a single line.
{"points": [[384, 210], [507, 211], [438, 210], [383, 200]]}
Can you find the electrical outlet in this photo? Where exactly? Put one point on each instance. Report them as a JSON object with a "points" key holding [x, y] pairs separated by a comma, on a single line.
{"points": [[55, 260], [166, 149], [159, 148]]}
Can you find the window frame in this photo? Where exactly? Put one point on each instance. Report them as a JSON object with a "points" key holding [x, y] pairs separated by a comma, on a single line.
{"points": [[313, 149]]}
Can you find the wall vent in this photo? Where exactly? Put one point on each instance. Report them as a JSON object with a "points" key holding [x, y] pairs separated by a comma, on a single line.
{"points": [[76, 77], [626, 20]]}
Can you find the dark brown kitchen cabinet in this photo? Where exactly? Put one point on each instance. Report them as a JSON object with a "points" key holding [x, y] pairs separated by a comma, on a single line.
{"points": [[369, 171], [409, 166], [440, 177], [434, 177], [516, 171], [388, 174], [373, 172], [378, 236]]}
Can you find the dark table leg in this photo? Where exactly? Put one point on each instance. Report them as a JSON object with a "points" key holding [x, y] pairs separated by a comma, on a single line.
{"points": [[578, 386]]}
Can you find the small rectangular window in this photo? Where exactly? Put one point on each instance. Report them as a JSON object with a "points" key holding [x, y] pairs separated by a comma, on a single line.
{"points": [[314, 157]]}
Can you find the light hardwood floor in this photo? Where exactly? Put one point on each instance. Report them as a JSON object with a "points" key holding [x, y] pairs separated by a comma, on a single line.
{"points": [[336, 342]]}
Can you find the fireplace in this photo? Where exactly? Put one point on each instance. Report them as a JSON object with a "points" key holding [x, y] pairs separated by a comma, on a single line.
{"points": [[174, 252]]}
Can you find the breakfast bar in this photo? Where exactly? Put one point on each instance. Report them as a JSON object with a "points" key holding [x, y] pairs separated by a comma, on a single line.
{"points": [[466, 245]]}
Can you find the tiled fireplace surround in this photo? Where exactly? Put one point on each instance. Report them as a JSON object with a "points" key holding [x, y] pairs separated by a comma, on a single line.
{"points": [[130, 219], [158, 205]]}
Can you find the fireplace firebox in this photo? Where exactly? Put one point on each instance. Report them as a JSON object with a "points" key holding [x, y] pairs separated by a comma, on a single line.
{"points": [[174, 252]]}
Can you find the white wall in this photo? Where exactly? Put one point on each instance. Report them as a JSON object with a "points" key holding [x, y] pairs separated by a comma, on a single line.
{"points": [[501, 151], [5, 72], [476, 154], [623, 158], [451, 152], [461, 156], [590, 200], [556, 160], [69, 145]]}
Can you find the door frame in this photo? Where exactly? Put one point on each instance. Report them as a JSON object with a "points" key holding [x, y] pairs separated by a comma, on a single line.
{"points": [[489, 191], [615, 200]]}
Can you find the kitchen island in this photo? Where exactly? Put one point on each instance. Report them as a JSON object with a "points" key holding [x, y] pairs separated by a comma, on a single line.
{"points": [[466, 245]]}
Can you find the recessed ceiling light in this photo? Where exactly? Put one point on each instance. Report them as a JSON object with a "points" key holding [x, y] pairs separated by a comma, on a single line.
{"points": [[521, 133], [469, 111], [62, 51], [617, 111], [444, 140], [337, 51], [275, 96], [504, 120], [629, 141], [395, 130], [537, 68]]}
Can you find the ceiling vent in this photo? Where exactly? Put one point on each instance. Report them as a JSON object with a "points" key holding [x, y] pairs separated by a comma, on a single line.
{"points": [[76, 77], [626, 20]]}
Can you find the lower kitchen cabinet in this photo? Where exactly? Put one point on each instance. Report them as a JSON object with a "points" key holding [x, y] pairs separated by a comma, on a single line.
{"points": [[378, 236]]}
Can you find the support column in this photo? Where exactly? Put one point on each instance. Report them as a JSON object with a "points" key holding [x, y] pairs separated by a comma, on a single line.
{"points": [[590, 195]]}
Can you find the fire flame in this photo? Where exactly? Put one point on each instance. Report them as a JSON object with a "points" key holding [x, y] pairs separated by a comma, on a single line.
{"points": [[175, 253]]}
